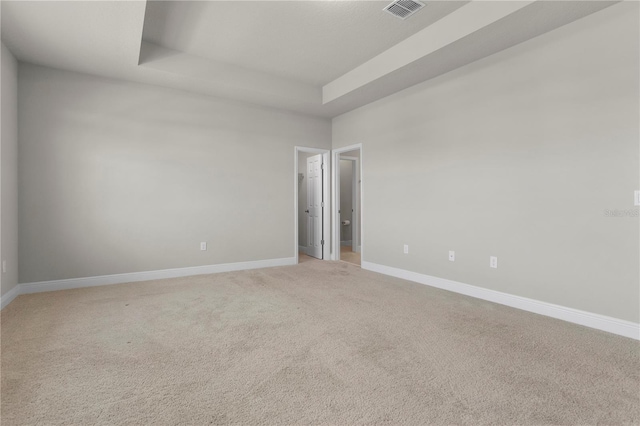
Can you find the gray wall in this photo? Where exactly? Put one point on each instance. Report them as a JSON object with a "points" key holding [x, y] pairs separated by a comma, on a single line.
{"points": [[119, 177], [518, 156], [9, 173]]}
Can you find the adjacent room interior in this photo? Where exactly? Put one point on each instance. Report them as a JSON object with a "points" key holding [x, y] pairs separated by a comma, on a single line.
{"points": [[320, 212], [348, 205]]}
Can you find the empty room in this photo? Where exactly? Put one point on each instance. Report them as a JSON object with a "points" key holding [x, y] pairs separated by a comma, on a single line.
{"points": [[320, 212]]}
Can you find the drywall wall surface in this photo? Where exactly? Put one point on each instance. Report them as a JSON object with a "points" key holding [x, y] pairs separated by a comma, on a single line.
{"points": [[9, 173], [120, 177], [530, 155]]}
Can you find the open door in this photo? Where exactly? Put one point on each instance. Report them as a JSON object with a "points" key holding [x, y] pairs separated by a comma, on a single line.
{"points": [[315, 204]]}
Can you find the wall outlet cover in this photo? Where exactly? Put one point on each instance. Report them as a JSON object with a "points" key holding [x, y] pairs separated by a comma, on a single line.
{"points": [[452, 255]]}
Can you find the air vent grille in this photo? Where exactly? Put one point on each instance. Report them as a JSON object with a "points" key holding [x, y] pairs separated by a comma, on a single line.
{"points": [[404, 8]]}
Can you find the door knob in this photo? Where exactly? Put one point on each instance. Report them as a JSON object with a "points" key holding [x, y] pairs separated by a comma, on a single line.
{"points": [[306, 211]]}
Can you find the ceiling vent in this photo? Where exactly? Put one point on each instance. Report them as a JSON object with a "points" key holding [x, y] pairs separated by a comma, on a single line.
{"points": [[404, 8]]}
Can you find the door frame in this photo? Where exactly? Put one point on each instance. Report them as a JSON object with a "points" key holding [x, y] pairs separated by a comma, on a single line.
{"points": [[355, 222], [335, 186], [326, 210]]}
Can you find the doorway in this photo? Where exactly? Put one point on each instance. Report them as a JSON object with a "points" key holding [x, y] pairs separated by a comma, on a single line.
{"points": [[311, 203], [347, 211]]}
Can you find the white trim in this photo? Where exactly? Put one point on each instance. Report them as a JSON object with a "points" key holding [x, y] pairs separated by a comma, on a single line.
{"points": [[326, 212], [8, 298], [576, 316], [335, 228], [37, 287], [346, 243]]}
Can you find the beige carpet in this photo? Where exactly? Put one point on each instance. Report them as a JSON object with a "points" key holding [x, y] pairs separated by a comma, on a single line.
{"points": [[316, 343]]}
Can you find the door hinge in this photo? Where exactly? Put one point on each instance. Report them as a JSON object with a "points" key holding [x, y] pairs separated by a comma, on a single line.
{"points": [[322, 204], [321, 242], [322, 166]]}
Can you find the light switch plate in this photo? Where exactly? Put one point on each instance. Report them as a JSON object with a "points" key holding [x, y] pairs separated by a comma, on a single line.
{"points": [[452, 255]]}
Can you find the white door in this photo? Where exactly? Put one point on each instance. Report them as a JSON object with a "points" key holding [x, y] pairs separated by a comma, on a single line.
{"points": [[314, 206]]}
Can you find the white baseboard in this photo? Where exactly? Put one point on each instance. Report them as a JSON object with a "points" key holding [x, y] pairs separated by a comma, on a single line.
{"points": [[346, 243], [8, 298], [302, 249], [36, 287], [588, 319]]}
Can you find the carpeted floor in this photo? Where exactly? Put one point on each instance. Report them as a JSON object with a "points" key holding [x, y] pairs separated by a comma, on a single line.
{"points": [[317, 343]]}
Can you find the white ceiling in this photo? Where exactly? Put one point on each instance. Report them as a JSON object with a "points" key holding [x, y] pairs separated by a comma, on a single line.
{"points": [[85, 35], [311, 41], [273, 53]]}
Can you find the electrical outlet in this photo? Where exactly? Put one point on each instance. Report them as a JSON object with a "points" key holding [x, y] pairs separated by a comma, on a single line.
{"points": [[406, 249], [203, 246], [452, 255], [493, 262]]}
